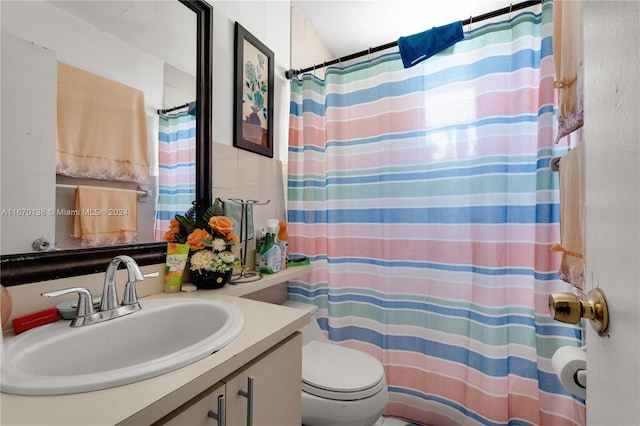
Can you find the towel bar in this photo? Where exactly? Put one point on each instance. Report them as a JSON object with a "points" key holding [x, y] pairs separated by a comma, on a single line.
{"points": [[66, 186]]}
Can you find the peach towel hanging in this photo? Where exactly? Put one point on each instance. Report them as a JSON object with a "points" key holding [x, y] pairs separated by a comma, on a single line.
{"points": [[102, 129], [571, 181], [105, 216], [568, 56]]}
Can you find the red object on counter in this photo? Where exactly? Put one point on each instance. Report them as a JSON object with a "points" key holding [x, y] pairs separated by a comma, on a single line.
{"points": [[35, 319]]}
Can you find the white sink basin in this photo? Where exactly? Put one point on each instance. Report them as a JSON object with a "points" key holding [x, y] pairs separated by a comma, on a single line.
{"points": [[165, 335]]}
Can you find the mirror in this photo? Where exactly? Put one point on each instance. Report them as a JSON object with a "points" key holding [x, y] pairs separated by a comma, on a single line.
{"points": [[41, 266]]}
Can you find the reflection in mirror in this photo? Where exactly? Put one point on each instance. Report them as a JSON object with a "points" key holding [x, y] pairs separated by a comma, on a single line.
{"points": [[165, 83]]}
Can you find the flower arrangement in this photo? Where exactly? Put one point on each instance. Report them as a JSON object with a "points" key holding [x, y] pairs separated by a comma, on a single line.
{"points": [[210, 240]]}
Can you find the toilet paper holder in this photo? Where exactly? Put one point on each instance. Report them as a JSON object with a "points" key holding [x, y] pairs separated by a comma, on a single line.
{"points": [[567, 307], [570, 365]]}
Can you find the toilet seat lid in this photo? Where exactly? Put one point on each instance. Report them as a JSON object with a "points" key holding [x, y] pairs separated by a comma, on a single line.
{"points": [[336, 372]]}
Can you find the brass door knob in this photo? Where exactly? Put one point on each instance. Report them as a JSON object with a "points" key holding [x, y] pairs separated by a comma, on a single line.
{"points": [[567, 307]]}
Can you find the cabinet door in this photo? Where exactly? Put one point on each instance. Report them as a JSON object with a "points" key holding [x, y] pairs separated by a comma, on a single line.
{"points": [[277, 392], [196, 412]]}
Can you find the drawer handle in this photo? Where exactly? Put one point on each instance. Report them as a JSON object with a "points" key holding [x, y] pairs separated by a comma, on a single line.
{"points": [[221, 416], [249, 395]]}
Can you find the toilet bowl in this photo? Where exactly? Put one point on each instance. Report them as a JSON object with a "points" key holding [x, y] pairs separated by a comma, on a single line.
{"points": [[340, 386]]}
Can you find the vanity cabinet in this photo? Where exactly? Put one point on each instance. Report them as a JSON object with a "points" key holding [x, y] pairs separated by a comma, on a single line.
{"points": [[196, 411], [277, 388], [274, 400], [269, 349]]}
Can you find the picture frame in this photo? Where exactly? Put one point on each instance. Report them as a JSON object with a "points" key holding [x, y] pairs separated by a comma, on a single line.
{"points": [[253, 94]]}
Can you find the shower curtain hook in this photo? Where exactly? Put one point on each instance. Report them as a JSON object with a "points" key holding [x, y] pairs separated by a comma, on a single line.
{"points": [[510, 8], [470, 22], [369, 54]]}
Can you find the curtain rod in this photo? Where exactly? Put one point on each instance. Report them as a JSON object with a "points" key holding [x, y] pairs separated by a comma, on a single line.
{"points": [[188, 104], [498, 12]]}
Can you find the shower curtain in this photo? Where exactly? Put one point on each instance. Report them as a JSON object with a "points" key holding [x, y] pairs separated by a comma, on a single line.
{"points": [[177, 168], [424, 199]]}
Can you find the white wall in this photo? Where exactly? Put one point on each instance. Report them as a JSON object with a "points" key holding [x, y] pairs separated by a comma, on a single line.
{"points": [[612, 133], [269, 22], [28, 146], [307, 48]]}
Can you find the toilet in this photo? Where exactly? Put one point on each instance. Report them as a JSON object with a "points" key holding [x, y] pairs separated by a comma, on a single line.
{"points": [[340, 386]]}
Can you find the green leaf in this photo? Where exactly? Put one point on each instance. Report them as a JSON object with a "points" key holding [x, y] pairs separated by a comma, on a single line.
{"points": [[187, 225], [214, 210], [217, 207], [191, 214]]}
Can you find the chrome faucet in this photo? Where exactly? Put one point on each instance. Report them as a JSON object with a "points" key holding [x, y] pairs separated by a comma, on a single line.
{"points": [[109, 294], [109, 306]]}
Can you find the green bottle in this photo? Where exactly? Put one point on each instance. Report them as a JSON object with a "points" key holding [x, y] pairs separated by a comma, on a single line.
{"points": [[270, 254]]}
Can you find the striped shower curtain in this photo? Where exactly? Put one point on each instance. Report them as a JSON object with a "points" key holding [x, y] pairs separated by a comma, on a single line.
{"points": [[177, 164], [424, 198]]}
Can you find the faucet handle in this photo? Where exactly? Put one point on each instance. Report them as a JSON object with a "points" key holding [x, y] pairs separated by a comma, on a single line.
{"points": [[130, 296], [85, 301]]}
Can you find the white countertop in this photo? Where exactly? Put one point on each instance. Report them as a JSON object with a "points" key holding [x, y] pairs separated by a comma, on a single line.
{"points": [[267, 280], [265, 326]]}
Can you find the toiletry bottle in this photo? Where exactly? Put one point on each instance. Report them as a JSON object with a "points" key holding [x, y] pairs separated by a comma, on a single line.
{"points": [[283, 243], [270, 257], [177, 255], [260, 236]]}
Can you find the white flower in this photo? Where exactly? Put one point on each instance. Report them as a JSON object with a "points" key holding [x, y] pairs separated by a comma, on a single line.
{"points": [[218, 244], [209, 260], [227, 257], [202, 259]]}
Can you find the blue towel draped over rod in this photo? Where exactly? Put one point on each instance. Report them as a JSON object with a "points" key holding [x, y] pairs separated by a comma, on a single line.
{"points": [[498, 12]]}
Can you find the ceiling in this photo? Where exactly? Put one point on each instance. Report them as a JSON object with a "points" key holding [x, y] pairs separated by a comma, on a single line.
{"points": [[349, 26], [165, 29], [345, 26]]}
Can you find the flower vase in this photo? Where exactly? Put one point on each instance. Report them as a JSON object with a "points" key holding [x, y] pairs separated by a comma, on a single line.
{"points": [[252, 129], [211, 279]]}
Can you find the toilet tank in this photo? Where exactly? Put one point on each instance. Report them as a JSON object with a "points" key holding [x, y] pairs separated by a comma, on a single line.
{"points": [[311, 331]]}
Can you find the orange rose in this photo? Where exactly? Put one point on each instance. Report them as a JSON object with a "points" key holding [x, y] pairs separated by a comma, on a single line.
{"points": [[194, 239], [221, 224], [170, 235], [232, 237], [174, 228]]}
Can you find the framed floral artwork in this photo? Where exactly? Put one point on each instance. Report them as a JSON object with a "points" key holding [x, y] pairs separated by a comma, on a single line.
{"points": [[253, 100]]}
